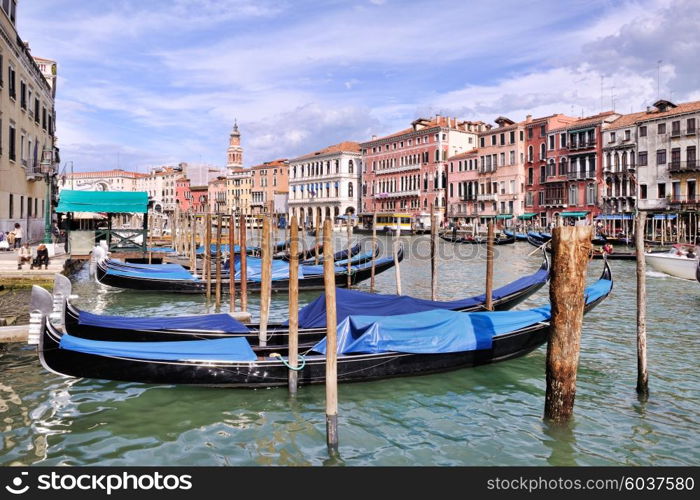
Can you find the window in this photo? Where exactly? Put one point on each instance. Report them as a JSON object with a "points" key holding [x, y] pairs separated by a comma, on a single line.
{"points": [[676, 128], [11, 82], [661, 128], [503, 139], [29, 206], [612, 136], [36, 110], [562, 140], [660, 156], [22, 95], [12, 206], [2, 81], [590, 194], [643, 131], [529, 133], [482, 141], [551, 142], [661, 189], [628, 135], [11, 146], [530, 152], [573, 195], [512, 136], [642, 191], [690, 156], [512, 158], [351, 167], [543, 153], [690, 124], [642, 158], [530, 176], [542, 132], [493, 140], [675, 157], [43, 118], [21, 207]]}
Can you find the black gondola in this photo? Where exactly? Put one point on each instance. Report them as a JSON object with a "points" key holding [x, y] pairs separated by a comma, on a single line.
{"points": [[479, 240], [128, 329], [232, 362], [190, 284]]}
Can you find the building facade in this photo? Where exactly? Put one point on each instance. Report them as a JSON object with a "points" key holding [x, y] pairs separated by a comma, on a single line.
{"points": [[106, 180], [325, 183], [406, 171], [27, 126], [238, 189], [183, 195], [463, 183], [266, 180], [216, 194]]}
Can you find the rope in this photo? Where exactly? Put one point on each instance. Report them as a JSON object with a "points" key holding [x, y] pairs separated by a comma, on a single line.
{"points": [[298, 368]]}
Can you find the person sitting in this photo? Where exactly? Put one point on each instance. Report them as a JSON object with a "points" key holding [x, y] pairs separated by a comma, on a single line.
{"points": [[24, 255], [42, 257], [607, 248], [691, 254]]}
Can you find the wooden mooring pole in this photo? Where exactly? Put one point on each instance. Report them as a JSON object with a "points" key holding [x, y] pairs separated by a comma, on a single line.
{"points": [[244, 263], [207, 253], [293, 305], [397, 267], [489, 267], [232, 263], [266, 280], [218, 260], [331, 341], [374, 250], [318, 235], [642, 373], [571, 247], [433, 252], [193, 244]]}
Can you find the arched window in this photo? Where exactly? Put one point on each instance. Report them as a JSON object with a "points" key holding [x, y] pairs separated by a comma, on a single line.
{"points": [[337, 166], [351, 167], [529, 153], [350, 190], [542, 151]]}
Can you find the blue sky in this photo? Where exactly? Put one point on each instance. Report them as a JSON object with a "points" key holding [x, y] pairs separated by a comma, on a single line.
{"points": [[148, 83]]}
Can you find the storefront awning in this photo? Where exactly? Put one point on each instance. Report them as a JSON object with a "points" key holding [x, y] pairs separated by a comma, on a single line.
{"points": [[504, 216], [116, 202], [614, 217], [574, 214], [526, 216]]}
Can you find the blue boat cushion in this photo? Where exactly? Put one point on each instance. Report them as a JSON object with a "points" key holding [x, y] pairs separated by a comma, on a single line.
{"points": [[349, 302], [205, 322], [176, 273], [231, 349]]}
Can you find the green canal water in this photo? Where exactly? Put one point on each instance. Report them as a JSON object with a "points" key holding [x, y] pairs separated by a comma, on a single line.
{"points": [[490, 415]]}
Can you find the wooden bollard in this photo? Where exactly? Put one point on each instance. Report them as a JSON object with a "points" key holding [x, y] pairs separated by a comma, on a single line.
{"points": [[642, 373], [397, 267], [571, 247], [193, 245], [244, 264], [433, 252], [218, 260], [331, 341], [207, 253], [489, 268], [349, 283], [318, 235], [293, 305], [232, 262], [265, 283], [374, 250]]}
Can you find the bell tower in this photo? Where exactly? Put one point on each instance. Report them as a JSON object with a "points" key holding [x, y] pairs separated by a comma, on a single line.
{"points": [[234, 151]]}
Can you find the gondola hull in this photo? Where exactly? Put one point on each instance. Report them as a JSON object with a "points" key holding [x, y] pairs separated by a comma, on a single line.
{"points": [[477, 241]]}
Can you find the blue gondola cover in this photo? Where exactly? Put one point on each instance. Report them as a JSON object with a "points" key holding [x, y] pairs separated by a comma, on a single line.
{"points": [[210, 322]]}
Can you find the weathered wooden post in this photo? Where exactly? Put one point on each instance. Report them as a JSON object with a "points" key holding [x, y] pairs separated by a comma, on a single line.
{"points": [[642, 373], [218, 260], [293, 305], [318, 235], [489, 267], [571, 246], [331, 341], [232, 262], [397, 267], [244, 263], [374, 250], [265, 283], [193, 245], [349, 251], [207, 253], [433, 251]]}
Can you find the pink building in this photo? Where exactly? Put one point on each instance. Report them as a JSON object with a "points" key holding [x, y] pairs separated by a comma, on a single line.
{"points": [[200, 197], [216, 195], [463, 185], [406, 171], [183, 196]]}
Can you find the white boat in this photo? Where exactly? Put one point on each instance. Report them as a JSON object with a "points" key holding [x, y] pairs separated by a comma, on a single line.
{"points": [[675, 262]]}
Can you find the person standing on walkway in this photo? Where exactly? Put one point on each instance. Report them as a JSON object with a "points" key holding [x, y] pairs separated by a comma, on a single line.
{"points": [[18, 235]]}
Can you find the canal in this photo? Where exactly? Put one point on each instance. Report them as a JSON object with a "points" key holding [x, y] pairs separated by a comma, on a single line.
{"points": [[490, 415]]}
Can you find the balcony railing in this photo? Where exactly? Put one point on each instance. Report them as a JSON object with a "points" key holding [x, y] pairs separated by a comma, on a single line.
{"points": [[487, 197], [554, 202], [398, 194], [684, 166], [588, 174], [582, 145], [401, 168], [678, 199]]}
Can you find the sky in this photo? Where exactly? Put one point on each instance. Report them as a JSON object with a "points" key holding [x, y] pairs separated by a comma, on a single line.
{"points": [[144, 84]]}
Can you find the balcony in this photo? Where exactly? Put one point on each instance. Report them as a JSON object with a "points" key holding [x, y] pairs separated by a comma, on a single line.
{"points": [[675, 133], [397, 194], [684, 166], [32, 173], [588, 174], [554, 202], [575, 146], [401, 168], [685, 201], [487, 197]]}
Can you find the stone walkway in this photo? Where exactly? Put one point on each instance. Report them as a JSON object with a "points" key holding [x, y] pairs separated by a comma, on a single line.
{"points": [[9, 274]]}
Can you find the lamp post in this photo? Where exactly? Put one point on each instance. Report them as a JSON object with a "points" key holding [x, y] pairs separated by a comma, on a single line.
{"points": [[47, 170]]}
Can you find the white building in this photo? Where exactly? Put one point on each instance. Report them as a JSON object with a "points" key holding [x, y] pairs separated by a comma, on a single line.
{"points": [[106, 180], [325, 183]]}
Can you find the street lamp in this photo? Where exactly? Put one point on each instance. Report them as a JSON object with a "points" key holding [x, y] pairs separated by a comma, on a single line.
{"points": [[47, 170]]}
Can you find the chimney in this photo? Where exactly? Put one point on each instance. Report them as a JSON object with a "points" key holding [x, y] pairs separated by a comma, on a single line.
{"points": [[528, 118], [374, 137]]}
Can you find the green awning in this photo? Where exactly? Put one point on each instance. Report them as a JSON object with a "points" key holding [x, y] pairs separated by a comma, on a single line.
{"points": [[574, 214], [527, 216], [116, 202], [504, 216]]}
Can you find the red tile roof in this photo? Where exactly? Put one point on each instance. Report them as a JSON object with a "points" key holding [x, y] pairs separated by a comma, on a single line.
{"points": [[343, 147], [461, 156]]}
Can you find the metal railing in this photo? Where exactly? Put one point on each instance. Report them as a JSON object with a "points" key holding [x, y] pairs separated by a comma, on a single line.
{"points": [[685, 165]]}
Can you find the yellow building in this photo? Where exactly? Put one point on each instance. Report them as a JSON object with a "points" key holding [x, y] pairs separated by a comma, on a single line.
{"points": [[238, 189], [27, 123]]}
